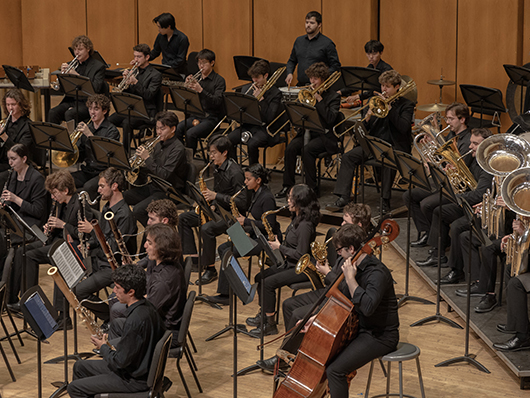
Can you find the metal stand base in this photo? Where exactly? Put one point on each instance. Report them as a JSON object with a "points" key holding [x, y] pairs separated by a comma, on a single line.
{"points": [[469, 358]]}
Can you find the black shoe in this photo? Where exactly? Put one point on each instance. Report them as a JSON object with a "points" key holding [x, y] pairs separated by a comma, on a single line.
{"points": [[194, 264], [269, 364], [269, 328], [501, 327], [474, 291], [255, 321], [422, 240], [219, 299], [105, 327], [283, 193], [97, 352], [14, 307], [514, 344], [432, 261], [452, 277], [340, 203], [487, 303], [62, 322], [208, 276]]}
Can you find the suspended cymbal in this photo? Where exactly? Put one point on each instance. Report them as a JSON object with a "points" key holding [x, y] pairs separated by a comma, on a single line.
{"points": [[432, 107], [441, 82]]}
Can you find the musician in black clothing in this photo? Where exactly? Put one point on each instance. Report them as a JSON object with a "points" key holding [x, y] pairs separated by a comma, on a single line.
{"points": [[172, 43], [89, 67], [167, 161], [395, 128], [210, 87], [146, 84], [327, 106], [270, 106], [228, 180]]}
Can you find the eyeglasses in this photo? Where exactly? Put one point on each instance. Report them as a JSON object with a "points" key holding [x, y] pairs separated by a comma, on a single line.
{"points": [[338, 249]]}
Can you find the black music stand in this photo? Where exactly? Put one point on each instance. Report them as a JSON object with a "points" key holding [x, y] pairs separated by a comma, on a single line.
{"points": [[242, 64], [18, 78], [171, 192], [51, 137], [359, 78], [484, 98], [360, 133], [518, 75], [446, 190], [187, 100], [109, 152], [77, 86], [412, 170], [129, 105]]}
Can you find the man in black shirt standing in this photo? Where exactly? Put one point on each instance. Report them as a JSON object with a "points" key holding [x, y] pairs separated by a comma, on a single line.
{"points": [[311, 48], [125, 368], [172, 43]]}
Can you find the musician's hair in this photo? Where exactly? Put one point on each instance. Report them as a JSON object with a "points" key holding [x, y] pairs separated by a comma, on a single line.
{"points": [[142, 48], [206, 54], [306, 202], [391, 77], [221, 143], [318, 70], [113, 175], [373, 46], [100, 100], [349, 235], [164, 208], [131, 276], [61, 180], [460, 110], [260, 67], [314, 14], [21, 100], [258, 171], [167, 118], [21, 150], [360, 214], [166, 20], [481, 131], [167, 242], [85, 41]]}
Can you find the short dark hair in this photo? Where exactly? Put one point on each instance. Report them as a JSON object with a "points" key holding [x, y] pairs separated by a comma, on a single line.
{"points": [[260, 67], [206, 54], [131, 276], [166, 20], [360, 214], [390, 77], [167, 118], [113, 175], [20, 149], [258, 171], [100, 100], [460, 110], [164, 208], [142, 48], [373, 46], [60, 180], [318, 70], [221, 143], [314, 14], [349, 235], [85, 41], [167, 241], [481, 131], [21, 100]]}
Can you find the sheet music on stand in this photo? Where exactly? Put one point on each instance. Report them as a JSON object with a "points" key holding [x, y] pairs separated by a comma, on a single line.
{"points": [[70, 266], [42, 317]]}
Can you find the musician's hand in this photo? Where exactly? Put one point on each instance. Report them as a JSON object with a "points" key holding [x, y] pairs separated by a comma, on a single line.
{"points": [[133, 80], [98, 342], [275, 244], [307, 324], [504, 242], [289, 79], [209, 195], [84, 128], [54, 222], [132, 62], [11, 197], [477, 208], [64, 66], [142, 152], [84, 226], [349, 269], [352, 98], [318, 97], [500, 201], [194, 85], [323, 268], [241, 220], [518, 227]]}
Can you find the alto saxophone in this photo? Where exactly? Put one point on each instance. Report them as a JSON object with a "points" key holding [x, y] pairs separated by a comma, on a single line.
{"points": [[233, 206], [266, 224], [202, 188]]}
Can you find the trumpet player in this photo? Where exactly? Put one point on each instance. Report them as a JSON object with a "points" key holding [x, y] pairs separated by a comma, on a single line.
{"points": [[146, 83], [270, 106], [88, 67], [210, 87], [167, 161]]}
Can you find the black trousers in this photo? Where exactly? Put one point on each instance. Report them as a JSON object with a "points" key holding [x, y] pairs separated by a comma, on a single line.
{"points": [[128, 127], [259, 139], [488, 270], [66, 110], [140, 199], [449, 213], [274, 279], [193, 133], [459, 233], [517, 308], [350, 160], [36, 254]]}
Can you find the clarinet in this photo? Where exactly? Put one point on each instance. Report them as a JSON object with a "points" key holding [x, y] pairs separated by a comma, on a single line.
{"points": [[9, 172], [54, 208]]}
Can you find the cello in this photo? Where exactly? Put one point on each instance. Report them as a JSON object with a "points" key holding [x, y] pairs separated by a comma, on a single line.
{"points": [[333, 328]]}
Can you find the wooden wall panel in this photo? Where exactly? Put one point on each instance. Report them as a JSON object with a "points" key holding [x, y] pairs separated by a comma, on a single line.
{"points": [[113, 32], [48, 29], [525, 32], [228, 32], [11, 33], [420, 40]]}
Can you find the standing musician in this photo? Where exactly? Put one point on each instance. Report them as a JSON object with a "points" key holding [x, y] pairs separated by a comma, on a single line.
{"points": [[172, 43], [145, 83], [328, 108], [125, 368], [395, 128], [228, 180], [100, 126], [89, 67], [305, 214], [269, 106], [210, 87], [262, 200], [167, 160], [311, 48]]}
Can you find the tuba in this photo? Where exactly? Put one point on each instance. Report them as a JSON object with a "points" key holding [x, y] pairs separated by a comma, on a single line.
{"points": [[67, 159], [136, 162]]}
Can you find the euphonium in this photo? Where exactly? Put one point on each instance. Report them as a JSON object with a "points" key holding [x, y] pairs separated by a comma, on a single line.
{"points": [[136, 162], [202, 187], [233, 205], [270, 233], [72, 65], [67, 159], [125, 82]]}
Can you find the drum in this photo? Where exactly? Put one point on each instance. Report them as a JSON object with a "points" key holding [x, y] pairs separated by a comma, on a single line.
{"points": [[290, 93]]}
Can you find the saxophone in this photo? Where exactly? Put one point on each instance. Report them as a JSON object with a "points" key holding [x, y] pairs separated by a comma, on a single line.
{"points": [[266, 224], [202, 187], [233, 206]]}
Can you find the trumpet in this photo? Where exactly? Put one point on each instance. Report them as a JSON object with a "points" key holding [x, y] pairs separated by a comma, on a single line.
{"points": [[197, 77], [72, 65], [3, 123], [67, 159], [125, 82], [136, 162]]}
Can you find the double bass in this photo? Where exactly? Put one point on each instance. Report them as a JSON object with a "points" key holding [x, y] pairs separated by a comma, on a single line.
{"points": [[334, 327]]}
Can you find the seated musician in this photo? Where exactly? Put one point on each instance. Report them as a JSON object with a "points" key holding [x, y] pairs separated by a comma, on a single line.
{"points": [[228, 179], [262, 200], [167, 161], [146, 84], [327, 106], [422, 202], [125, 368], [100, 126], [171, 42], [305, 214], [88, 67], [210, 87], [395, 128]]}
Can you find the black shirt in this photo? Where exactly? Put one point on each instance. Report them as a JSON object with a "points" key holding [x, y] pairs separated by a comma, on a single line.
{"points": [[168, 161], [381, 66], [17, 133], [271, 104], [148, 87], [483, 180], [297, 241], [31, 191], [95, 71], [262, 201], [211, 97], [306, 52], [173, 51], [228, 179], [69, 213], [106, 129], [462, 143]]}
